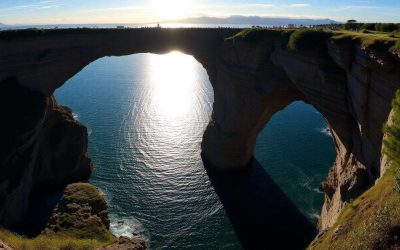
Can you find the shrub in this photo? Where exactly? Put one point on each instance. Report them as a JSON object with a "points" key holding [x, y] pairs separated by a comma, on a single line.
{"points": [[389, 27], [396, 47], [365, 31], [286, 36], [391, 144], [386, 27], [304, 39], [255, 34], [368, 26]]}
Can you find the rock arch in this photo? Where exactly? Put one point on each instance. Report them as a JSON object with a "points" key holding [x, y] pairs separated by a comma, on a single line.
{"points": [[349, 85], [346, 85]]}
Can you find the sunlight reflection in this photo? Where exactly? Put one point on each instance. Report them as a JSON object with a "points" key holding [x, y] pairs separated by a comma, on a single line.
{"points": [[173, 83]]}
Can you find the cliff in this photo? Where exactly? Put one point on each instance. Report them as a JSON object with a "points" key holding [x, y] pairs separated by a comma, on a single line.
{"points": [[43, 148], [349, 82], [349, 78]]}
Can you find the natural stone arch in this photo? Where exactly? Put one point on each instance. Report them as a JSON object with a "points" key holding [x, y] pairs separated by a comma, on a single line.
{"points": [[349, 85], [45, 61], [256, 80]]}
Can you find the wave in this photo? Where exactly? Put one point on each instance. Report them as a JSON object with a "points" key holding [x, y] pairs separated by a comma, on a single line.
{"points": [[314, 215], [75, 115], [327, 131], [308, 184], [128, 226]]}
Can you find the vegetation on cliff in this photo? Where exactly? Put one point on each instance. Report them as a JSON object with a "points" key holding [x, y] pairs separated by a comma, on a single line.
{"points": [[305, 39], [391, 142], [301, 40], [372, 221], [80, 221]]}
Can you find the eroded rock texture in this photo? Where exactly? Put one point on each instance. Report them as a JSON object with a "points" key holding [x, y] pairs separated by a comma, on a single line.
{"points": [[42, 148], [350, 86], [81, 213]]}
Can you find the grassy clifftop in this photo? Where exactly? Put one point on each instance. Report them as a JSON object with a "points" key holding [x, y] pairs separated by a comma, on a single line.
{"points": [[307, 39]]}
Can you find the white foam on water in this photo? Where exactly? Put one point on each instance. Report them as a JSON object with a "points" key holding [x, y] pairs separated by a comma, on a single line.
{"points": [[128, 226], [326, 131], [317, 190], [75, 115], [314, 215]]}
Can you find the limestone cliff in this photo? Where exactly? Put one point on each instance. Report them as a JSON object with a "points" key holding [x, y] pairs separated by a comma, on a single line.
{"points": [[350, 84]]}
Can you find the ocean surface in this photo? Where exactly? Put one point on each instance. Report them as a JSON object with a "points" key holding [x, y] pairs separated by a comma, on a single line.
{"points": [[146, 114]]}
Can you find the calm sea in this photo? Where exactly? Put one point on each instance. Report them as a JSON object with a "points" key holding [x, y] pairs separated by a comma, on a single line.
{"points": [[146, 115]]}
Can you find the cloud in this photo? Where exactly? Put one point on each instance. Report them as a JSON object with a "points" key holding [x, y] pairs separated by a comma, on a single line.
{"points": [[297, 5], [35, 6]]}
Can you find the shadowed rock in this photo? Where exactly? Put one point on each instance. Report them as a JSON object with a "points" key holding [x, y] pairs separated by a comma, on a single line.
{"points": [[350, 85]]}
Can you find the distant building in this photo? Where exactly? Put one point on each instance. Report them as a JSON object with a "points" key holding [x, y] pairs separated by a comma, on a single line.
{"points": [[291, 26], [120, 27]]}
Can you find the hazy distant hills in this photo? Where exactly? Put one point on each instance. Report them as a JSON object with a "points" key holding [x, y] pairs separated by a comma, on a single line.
{"points": [[255, 20]]}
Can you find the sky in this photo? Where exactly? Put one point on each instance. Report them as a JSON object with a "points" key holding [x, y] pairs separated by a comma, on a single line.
{"points": [[151, 11]]}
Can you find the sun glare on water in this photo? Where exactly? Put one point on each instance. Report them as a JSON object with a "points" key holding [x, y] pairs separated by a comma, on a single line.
{"points": [[172, 9], [174, 84]]}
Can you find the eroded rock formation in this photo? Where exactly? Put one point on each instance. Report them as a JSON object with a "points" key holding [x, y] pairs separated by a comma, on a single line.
{"points": [[43, 148], [350, 86]]}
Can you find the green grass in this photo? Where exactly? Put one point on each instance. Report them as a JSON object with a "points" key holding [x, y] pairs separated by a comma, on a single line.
{"points": [[50, 242], [392, 140], [82, 193], [73, 228], [305, 39], [396, 48], [71, 222], [372, 221], [374, 41], [255, 34]]}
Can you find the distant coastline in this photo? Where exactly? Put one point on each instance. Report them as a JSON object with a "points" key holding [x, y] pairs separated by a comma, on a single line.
{"points": [[198, 22]]}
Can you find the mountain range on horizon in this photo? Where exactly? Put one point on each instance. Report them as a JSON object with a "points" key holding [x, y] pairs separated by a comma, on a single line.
{"points": [[248, 20], [254, 20]]}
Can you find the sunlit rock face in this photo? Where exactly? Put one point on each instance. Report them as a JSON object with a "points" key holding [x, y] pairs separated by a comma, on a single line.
{"points": [[351, 87]]}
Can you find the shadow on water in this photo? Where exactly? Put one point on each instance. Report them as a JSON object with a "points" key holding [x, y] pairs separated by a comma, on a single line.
{"points": [[261, 214]]}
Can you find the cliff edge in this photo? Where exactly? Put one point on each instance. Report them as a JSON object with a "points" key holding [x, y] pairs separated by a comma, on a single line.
{"points": [[350, 78]]}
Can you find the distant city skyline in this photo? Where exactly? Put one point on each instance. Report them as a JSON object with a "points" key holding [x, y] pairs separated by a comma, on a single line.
{"points": [[153, 11]]}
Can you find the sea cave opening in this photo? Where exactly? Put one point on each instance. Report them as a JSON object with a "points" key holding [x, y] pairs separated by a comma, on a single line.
{"points": [[146, 114]]}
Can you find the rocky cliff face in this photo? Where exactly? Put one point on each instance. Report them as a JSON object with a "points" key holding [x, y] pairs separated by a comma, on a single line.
{"points": [[43, 148], [351, 86]]}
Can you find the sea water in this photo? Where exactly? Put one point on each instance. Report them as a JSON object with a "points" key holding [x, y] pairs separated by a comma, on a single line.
{"points": [[146, 115]]}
